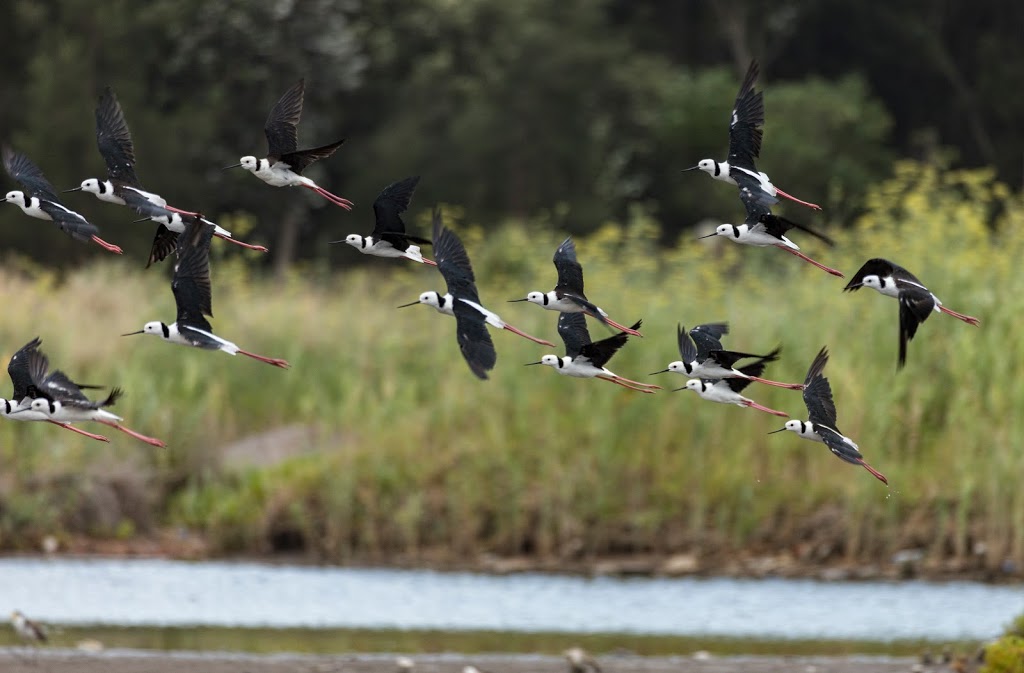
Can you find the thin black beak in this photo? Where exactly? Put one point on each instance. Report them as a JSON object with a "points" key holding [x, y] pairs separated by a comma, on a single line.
{"points": [[412, 303], [333, 242], [691, 168], [18, 411], [532, 363], [774, 431], [73, 189], [661, 372], [231, 166], [708, 236], [512, 301], [131, 333], [676, 390]]}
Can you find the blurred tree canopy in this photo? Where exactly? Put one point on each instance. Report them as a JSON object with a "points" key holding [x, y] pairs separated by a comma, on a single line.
{"points": [[570, 112]]}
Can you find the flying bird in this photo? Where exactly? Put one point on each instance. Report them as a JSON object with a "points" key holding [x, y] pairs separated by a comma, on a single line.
{"points": [[745, 146], [568, 296], [462, 297], [18, 408], [586, 359], [916, 301], [192, 295], [716, 363], [727, 391], [762, 229], [284, 162], [40, 200], [62, 400], [821, 410], [389, 238], [122, 185]]}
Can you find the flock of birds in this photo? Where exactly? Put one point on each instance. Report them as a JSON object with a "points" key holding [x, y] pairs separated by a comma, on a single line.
{"points": [[714, 373]]}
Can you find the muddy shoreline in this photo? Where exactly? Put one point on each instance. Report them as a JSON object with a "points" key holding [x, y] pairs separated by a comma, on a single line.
{"points": [[794, 564], [26, 660]]}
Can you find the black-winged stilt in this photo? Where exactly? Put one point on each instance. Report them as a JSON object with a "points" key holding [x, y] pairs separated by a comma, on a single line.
{"points": [[62, 400], [40, 200], [717, 363], [916, 301], [28, 629], [761, 229], [284, 162], [821, 411], [388, 238], [745, 146], [192, 295], [586, 359], [19, 406], [462, 297], [122, 185], [568, 296], [727, 391]]}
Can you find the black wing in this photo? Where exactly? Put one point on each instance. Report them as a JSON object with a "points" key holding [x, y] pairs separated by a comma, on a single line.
{"points": [[729, 358], [777, 226], [19, 371], [756, 201], [570, 272], [387, 210], [164, 243], [69, 221], [298, 161], [280, 127], [453, 262], [38, 365], [916, 304], [876, 267], [755, 369], [28, 175], [687, 351], [191, 283], [572, 327], [474, 339], [707, 338], [58, 386], [746, 122], [821, 410], [600, 352], [834, 440], [115, 140]]}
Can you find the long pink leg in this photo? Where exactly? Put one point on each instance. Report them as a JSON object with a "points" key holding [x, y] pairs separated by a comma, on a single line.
{"points": [[783, 194], [180, 211], [68, 426], [283, 364], [428, 262], [534, 339], [759, 407], [106, 246], [621, 328], [152, 441], [250, 246], [624, 384], [637, 383], [808, 259], [878, 475], [960, 316], [777, 384], [333, 198]]}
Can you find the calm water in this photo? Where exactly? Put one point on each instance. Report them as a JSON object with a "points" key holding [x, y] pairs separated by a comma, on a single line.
{"points": [[173, 593]]}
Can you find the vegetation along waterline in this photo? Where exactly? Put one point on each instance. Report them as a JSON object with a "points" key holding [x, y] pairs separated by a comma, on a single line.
{"points": [[402, 452]]}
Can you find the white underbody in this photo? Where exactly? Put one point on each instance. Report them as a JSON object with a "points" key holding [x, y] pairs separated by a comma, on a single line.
{"points": [[565, 305], [757, 237], [810, 434], [891, 289], [175, 337], [721, 392], [490, 317], [368, 246], [582, 369], [72, 415], [280, 175], [725, 171]]}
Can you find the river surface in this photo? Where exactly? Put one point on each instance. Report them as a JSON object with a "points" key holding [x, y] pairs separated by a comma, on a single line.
{"points": [[119, 592]]}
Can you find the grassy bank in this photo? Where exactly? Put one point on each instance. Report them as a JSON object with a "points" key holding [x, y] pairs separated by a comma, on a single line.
{"points": [[403, 451]]}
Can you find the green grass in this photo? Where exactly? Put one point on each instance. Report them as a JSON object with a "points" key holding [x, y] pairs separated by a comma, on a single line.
{"points": [[334, 641], [410, 453]]}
